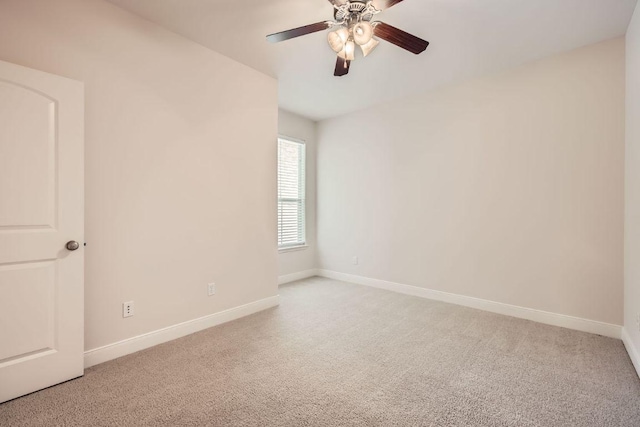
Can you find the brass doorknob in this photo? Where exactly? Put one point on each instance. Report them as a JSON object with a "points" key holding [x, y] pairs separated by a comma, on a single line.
{"points": [[72, 245]]}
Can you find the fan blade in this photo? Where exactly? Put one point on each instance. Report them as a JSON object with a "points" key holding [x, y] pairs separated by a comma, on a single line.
{"points": [[400, 38], [342, 67], [339, 2], [385, 4], [297, 32]]}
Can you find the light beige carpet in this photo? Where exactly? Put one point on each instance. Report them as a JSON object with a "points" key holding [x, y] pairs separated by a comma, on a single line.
{"points": [[336, 354]]}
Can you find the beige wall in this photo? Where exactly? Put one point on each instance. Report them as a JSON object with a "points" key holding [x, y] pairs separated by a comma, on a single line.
{"points": [[632, 188], [298, 127], [507, 188], [180, 163]]}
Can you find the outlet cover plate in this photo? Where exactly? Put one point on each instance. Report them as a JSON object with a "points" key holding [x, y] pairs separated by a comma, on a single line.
{"points": [[127, 309], [211, 289]]}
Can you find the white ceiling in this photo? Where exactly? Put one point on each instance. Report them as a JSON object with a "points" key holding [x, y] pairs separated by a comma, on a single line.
{"points": [[468, 38]]}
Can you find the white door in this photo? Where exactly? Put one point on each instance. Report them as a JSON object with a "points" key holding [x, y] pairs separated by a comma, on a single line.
{"points": [[41, 209]]}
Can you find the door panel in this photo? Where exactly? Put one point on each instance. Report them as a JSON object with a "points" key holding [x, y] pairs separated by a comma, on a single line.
{"points": [[28, 134], [29, 309], [41, 208]]}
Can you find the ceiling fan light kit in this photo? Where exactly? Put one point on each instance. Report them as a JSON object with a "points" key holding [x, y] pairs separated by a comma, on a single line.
{"points": [[368, 47], [354, 26], [338, 39], [362, 33]]}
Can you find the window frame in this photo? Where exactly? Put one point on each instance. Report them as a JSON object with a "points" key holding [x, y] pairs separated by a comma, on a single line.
{"points": [[300, 245]]}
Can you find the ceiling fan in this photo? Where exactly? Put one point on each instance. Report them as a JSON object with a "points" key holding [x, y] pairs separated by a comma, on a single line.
{"points": [[354, 26]]}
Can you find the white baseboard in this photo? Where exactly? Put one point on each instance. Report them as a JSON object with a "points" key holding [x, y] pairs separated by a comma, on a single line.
{"points": [[570, 322], [131, 345], [288, 278], [632, 350]]}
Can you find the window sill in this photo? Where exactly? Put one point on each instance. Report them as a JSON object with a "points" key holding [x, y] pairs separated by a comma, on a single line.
{"points": [[292, 249]]}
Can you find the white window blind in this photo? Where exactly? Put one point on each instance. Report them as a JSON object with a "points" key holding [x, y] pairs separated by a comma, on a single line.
{"points": [[291, 193]]}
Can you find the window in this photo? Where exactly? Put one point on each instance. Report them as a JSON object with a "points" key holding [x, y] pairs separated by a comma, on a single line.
{"points": [[291, 193]]}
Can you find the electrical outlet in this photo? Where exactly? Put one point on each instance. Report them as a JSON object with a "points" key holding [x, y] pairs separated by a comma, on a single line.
{"points": [[211, 289], [355, 260], [127, 309]]}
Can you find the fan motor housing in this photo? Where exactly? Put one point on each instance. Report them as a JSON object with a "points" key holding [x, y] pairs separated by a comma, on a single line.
{"points": [[356, 11]]}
